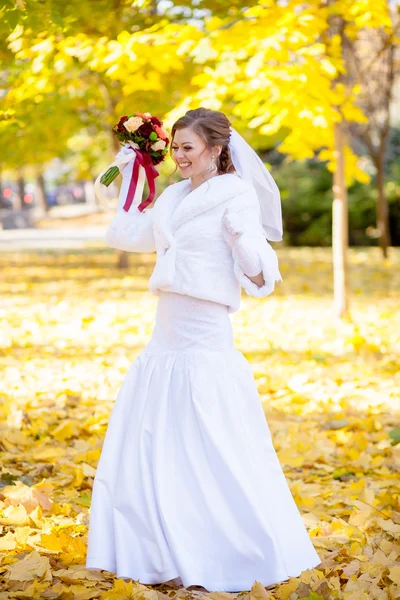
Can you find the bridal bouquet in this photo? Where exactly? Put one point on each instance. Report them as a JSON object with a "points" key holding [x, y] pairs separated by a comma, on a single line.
{"points": [[144, 134]]}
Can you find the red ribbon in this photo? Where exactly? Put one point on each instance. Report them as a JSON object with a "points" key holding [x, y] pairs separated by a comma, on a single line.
{"points": [[144, 160]]}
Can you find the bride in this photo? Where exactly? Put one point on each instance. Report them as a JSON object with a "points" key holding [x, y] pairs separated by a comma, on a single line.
{"points": [[188, 484]]}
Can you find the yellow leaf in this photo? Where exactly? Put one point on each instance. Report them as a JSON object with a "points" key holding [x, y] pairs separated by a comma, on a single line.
{"points": [[389, 526], [79, 476], [289, 458], [283, 592], [51, 542], [91, 457], [64, 431], [31, 566], [48, 453], [15, 515], [379, 558], [352, 568], [387, 546], [29, 497], [34, 590], [76, 573], [7, 542], [122, 590], [22, 535], [258, 592], [219, 596], [73, 549], [81, 592], [394, 574], [88, 470], [35, 517]]}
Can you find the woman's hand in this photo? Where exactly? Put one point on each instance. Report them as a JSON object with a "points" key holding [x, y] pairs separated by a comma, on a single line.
{"points": [[126, 170], [257, 279]]}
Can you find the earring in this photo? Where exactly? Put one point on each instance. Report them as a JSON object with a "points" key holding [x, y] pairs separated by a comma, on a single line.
{"points": [[213, 167]]}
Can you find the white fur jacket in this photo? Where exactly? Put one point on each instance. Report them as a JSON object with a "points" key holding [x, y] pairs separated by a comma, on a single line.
{"points": [[194, 255]]}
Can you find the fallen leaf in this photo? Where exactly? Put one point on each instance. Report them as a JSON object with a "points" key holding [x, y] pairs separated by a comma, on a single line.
{"points": [[30, 567], [394, 574]]}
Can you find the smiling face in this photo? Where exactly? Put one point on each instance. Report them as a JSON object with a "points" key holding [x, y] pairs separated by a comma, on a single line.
{"points": [[191, 154]]}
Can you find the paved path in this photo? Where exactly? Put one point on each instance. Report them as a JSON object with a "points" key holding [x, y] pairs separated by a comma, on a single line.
{"points": [[43, 239]]}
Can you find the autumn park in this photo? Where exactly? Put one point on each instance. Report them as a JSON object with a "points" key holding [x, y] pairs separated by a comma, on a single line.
{"points": [[314, 87]]}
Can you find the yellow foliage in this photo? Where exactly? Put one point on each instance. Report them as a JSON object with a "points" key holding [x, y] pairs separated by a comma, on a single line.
{"points": [[279, 68], [330, 393], [72, 550]]}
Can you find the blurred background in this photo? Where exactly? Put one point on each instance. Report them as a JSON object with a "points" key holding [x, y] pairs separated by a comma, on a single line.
{"points": [[284, 72]]}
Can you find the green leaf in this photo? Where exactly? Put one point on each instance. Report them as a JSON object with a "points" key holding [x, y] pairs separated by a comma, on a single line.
{"points": [[12, 18], [84, 500], [56, 16], [27, 480], [7, 479], [153, 136], [342, 474], [395, 435]]}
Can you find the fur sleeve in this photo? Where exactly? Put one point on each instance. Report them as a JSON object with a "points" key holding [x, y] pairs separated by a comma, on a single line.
{"points": [[131, 231], [243, 217]]}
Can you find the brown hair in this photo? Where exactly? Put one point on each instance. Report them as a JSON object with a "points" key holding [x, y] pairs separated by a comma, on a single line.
{"points": [[214, 127]]}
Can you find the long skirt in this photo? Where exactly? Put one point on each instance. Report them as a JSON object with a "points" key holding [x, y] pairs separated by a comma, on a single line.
{"points": [[188, 484]]}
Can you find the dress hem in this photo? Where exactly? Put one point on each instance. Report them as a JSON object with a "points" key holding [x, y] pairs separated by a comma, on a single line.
{"points": [[231, 586]]}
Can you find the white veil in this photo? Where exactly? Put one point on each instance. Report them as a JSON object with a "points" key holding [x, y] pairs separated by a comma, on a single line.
{"points": [[250, 167]]}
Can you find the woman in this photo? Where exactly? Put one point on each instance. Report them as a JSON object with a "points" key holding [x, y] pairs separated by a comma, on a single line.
{"points": [[188, 484]]}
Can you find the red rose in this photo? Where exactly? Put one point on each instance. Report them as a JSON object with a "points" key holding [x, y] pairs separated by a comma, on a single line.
{"points": [[157, 160], [146, 129], [155, 121], [120, 125]]}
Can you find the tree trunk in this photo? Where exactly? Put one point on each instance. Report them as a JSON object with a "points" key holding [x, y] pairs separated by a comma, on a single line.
{"points": [[340, 233], [21, 189], [42, 194], [382, 208], [123, 259]]}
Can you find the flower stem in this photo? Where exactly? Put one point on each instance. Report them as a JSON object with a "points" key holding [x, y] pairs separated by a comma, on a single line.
{"points": [[109, 176]]}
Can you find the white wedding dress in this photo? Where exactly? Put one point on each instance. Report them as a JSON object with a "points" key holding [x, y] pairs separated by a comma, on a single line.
{"points": [[188, 484]]}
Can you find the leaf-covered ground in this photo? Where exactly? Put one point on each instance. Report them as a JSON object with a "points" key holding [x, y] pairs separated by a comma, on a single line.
{"points": [[71, 324]]}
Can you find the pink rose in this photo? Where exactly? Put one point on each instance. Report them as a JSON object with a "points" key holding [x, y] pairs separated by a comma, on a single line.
{"points": [[133, 124], [160, 145]]}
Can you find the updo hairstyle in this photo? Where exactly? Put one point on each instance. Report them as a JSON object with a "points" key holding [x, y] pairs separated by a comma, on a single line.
{"points": [[214, 127]]}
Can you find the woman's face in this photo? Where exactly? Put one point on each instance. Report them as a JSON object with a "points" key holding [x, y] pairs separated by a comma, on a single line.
{"points": [[191, 154]]}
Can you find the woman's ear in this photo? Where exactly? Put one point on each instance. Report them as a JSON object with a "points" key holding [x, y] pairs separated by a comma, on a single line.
{"points": [[217, 150]]}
